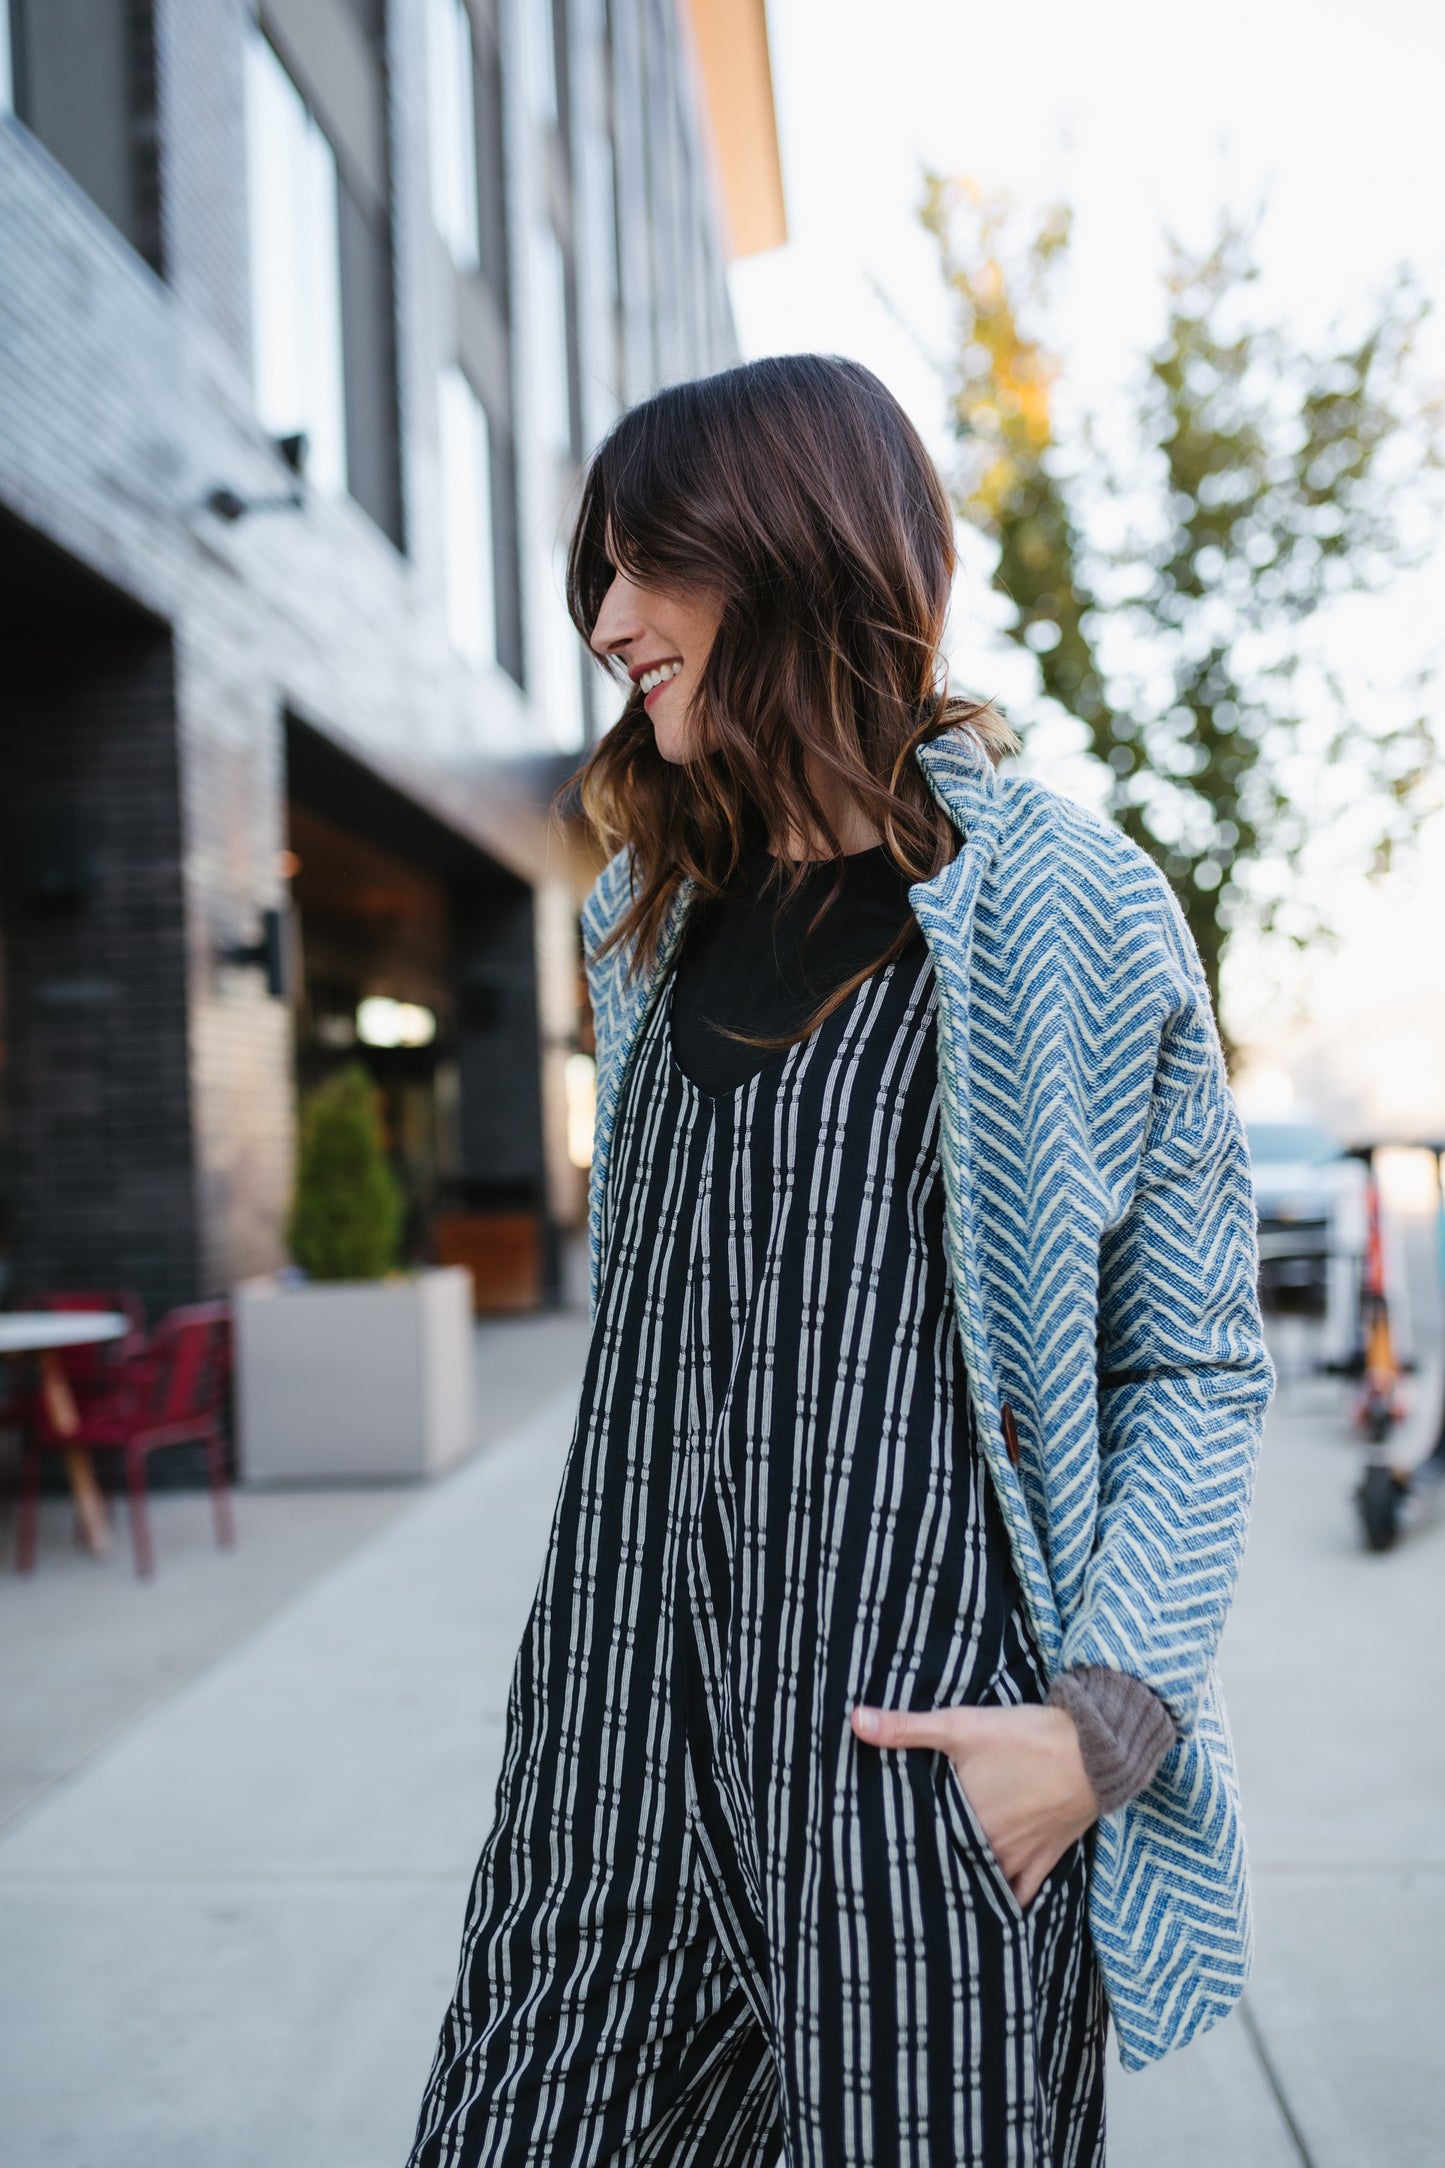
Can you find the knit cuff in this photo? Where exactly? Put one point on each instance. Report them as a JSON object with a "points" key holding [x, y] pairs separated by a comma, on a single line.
{"points": [[1124, 1729]]}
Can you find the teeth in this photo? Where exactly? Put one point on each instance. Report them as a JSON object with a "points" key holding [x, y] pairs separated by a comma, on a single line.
{"points": [[650, 679]]}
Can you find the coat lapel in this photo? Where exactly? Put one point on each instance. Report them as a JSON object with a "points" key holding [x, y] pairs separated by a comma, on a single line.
{"points": [[619, 1007], [966, 785]]}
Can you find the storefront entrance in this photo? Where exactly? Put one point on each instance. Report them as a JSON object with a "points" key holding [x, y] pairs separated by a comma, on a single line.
{"points": [[377, 979], [417, 960]]}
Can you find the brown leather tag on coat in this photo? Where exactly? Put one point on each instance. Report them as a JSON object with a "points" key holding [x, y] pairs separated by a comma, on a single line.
{"points": [[1010, 1433]]}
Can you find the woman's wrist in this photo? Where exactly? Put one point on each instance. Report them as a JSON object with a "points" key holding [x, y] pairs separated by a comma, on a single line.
{"points": [[1124, 1730]]}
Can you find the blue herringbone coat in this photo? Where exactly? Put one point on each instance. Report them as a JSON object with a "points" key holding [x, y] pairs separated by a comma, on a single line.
{"points": [[1102, 1239]]}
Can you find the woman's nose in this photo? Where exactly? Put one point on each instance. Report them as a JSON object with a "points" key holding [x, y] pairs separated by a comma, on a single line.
{"points": [[611, 630]]}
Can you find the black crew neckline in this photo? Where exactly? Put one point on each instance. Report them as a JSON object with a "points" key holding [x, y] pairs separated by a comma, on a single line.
{"points": [[753, 959]]}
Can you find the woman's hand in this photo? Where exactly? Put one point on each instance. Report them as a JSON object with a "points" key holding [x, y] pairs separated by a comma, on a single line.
{"points": [[1021, 1769]]}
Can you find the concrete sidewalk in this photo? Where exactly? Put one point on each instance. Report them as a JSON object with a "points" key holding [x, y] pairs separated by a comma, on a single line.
{"points": [[88, 1649], [227, 1940]]}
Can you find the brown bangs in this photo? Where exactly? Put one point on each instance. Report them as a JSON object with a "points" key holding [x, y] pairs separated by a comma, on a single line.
{"points": [[796, 491]]}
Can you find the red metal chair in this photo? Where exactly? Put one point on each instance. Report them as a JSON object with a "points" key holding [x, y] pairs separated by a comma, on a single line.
{"points": [[172, 1392]]}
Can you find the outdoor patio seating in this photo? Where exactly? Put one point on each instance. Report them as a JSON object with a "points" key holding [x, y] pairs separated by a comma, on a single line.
{"points": [[171, 1390]]}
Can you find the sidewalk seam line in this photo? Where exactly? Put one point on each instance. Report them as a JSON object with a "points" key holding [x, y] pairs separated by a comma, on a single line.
{"points": [[1272, 2079]]}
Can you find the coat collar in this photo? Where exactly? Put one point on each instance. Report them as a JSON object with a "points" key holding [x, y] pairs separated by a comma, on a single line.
{"points": [[966, 784]]}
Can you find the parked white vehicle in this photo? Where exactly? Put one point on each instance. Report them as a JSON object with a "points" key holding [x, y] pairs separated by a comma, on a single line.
{"points": [[1311, 1196]]}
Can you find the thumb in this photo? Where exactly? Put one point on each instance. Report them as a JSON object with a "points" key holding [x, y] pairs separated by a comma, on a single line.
{"points": [[903, 1727]]}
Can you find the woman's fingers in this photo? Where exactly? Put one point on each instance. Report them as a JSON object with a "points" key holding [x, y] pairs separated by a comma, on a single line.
{"points": [[1021, 1769], [904, 1727], [950, 1730]]}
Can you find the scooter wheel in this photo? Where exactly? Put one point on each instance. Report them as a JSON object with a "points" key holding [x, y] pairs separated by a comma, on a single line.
{"points": [[1378, 1498]]}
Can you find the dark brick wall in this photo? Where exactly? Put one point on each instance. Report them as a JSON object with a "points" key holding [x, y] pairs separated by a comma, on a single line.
{"points": [[101, 1175]]}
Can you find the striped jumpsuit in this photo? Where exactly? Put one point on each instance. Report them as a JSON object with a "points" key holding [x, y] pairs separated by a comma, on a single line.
{"points": [[709, 1926]]}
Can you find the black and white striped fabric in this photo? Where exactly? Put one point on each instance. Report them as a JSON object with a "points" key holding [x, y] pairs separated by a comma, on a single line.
{"points": [[709, 1927]]}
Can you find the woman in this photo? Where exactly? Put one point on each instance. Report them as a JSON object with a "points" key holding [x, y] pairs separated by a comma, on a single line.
{"points": [[864, 1737]]}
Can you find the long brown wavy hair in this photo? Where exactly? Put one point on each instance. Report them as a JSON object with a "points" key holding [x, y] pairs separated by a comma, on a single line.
{"points": [[797, 490]]}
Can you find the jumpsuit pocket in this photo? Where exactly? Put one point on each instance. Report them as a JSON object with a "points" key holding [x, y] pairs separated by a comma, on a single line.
{"points": [[967, 1832]]}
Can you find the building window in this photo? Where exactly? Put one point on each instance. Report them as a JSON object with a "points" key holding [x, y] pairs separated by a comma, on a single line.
{"points": [[511, 644], [468, 538], [492, 168], [451, 77], [541, 62], [83, 81], [604, 219], [295, 268], [602, 241], [553, 378], [561, 72]]}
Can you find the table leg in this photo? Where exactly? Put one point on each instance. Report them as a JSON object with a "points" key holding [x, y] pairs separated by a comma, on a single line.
{"points": [[63, 1417]]}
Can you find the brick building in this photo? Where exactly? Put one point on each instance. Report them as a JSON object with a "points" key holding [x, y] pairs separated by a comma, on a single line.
{"points": [[438, 241]]}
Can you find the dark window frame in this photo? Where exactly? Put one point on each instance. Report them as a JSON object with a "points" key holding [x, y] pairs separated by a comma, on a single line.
{"points": [[138, 219], [366, 248]]}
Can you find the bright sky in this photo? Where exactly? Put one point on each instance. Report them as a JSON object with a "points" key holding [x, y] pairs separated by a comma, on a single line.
{"points": [[1143, 118]]}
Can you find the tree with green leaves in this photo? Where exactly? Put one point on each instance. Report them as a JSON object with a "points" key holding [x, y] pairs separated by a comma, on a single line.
{"points": [[1173, 608], [346, 1214]]}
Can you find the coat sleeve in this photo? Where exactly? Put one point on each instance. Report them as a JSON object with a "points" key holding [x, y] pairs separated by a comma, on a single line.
{"points": [[1184, 1376]]}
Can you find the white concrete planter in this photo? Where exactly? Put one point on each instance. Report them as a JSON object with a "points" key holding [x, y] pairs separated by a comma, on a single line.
{"points": [[354, 1381]]}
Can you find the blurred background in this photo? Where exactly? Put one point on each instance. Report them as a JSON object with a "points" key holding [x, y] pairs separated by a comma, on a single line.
{"points": [[310, 313]]}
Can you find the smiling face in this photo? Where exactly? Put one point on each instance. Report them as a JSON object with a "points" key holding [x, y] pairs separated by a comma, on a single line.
{"points": [[662, 637]]}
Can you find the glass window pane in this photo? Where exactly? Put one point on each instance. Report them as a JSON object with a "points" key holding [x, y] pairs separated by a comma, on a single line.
{"points": [[541, 61], [553, 406], [7, 74], [492, 174], [453, 129], [295, 269], [468, 548], [602, 222]]}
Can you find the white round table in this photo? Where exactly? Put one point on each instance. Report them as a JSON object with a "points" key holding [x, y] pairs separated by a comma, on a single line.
{"points": [[36, 1332], [45, 1334]]}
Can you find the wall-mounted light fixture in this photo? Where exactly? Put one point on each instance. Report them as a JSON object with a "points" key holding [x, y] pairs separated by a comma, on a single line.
{"points": [[226, 505], [274, 954]]}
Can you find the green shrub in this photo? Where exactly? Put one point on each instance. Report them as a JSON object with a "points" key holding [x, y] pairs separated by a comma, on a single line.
{"points": [[346, 1213]]}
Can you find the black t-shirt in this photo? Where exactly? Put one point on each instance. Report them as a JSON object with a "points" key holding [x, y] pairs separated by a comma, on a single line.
{"points": [[744, 962]]}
